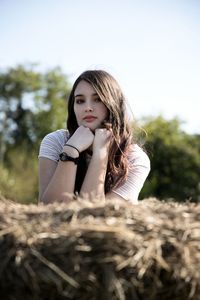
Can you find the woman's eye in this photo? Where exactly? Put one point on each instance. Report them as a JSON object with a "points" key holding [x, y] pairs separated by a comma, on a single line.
{"points": [[97, 100], [79, 101]]}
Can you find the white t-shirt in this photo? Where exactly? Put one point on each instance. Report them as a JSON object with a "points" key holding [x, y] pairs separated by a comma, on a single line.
{"points": [[139, 163]]}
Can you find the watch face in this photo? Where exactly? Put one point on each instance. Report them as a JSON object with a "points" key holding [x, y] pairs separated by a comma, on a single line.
{"points": [[64, 157]]}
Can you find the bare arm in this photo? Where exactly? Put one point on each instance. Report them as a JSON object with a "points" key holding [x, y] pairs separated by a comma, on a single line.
{"points": [[93, 184], [57, 180]]}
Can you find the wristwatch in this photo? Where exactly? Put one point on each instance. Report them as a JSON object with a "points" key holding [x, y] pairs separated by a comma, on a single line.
{"points": [[65, 157]]}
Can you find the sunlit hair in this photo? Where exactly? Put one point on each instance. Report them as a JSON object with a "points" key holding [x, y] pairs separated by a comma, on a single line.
{"points": [[111, 95]]}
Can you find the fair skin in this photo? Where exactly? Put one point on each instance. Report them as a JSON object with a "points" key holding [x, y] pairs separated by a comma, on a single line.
{"points": [[57, 180]]}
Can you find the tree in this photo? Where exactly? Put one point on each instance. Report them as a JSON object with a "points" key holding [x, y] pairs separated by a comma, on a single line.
{"points": [[31, 104], [175, 161]]}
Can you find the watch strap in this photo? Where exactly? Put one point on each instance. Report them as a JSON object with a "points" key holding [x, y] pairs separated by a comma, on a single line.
{"points": [[65, 157]]}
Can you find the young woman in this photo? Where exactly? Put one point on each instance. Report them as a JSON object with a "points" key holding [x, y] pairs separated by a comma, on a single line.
{"points": [[95, 156]]}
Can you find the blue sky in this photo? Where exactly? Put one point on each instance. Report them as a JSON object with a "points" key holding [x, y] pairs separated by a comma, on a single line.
{"points": [[151, 47]]}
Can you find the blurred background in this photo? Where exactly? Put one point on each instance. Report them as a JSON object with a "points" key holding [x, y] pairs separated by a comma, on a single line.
{"points": [[151, 47]]}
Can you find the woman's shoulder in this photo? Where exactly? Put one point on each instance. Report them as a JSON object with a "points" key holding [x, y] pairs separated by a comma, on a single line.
{"points": [[52, 144], [58, 135], [138, 155]]}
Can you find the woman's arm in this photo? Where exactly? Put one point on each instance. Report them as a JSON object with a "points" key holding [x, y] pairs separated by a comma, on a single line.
{"points": [[57, 180], [93, 184]]}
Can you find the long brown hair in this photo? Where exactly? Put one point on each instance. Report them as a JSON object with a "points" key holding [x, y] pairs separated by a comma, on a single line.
{"points": [[111, 95]]}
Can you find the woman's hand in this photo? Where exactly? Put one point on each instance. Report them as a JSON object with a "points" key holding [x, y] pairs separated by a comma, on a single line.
{"points": [[82, 138]]}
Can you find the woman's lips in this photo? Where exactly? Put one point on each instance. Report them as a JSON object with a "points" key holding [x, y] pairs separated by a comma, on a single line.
{"points": [[90, 119]]}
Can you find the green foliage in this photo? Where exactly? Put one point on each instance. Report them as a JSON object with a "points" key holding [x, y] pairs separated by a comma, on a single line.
{"points": [[52, 105], [32, 104], [19, 181], [175, 161]]}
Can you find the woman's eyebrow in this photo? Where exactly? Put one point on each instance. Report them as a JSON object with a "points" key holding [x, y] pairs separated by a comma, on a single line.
{"points": [[81, 95], [78, 95]]}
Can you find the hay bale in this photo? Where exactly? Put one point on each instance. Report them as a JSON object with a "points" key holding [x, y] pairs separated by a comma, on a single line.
{"points": [[100, 250]]}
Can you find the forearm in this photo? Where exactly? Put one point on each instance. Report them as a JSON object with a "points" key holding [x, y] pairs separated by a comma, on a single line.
{"points": [[57, 182], [93, 184], [61, 185]]}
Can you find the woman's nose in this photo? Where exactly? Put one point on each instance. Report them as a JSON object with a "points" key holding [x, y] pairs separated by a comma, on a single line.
{"points": [[88, 107]]}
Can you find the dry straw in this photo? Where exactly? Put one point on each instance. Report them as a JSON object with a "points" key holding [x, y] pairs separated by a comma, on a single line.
{"points": [[100, 250]]}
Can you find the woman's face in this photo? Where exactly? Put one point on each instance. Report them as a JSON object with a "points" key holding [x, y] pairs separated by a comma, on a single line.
{"points": [[88, 108]]}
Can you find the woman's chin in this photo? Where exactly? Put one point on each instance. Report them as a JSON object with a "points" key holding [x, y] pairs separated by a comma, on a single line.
{"points": [[92, 126]]}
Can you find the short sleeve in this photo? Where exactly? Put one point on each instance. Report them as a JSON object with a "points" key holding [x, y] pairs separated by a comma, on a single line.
{"points": [[139, 168], [52, 144]]}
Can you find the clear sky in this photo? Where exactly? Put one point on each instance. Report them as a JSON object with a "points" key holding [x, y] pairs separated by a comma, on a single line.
{"points": [[151, 47]]}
